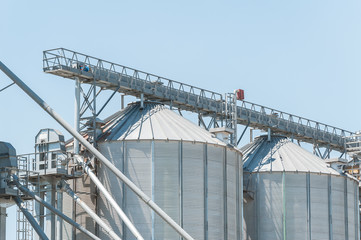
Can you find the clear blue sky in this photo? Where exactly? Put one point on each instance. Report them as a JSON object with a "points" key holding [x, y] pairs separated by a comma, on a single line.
{"points": [[301, 57]]}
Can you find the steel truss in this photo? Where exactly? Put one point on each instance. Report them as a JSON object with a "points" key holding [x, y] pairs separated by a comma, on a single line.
{"points": [[130, 81]]}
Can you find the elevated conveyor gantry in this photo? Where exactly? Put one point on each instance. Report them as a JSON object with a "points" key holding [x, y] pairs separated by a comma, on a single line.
{"points": [[107, 75]]}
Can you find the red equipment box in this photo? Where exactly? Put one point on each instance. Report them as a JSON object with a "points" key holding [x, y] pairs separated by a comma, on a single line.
{"points": [[240, 94]]}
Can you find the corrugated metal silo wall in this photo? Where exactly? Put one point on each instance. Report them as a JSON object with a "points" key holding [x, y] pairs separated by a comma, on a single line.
{"points": [[300, 206], [189, 181]]}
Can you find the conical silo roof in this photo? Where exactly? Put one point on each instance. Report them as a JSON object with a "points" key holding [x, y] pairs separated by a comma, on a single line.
{"points": [[280, 154], [153, 122]]}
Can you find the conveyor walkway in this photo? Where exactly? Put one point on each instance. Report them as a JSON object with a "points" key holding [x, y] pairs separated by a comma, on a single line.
{"points": [[107, 75]]}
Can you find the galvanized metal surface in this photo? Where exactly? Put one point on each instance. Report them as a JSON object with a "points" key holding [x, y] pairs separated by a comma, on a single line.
{"points": [[286, 203], [197, 200], [281, 154], [154, 121], [187, 173]]}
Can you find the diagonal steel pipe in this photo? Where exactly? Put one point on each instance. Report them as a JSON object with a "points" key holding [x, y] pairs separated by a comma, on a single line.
{"points": [[95, 152], [30, 218], [65, 186], [53, 209]]}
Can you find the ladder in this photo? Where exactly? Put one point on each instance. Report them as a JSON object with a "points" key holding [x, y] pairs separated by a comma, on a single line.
{"points": [[107, 75], [24, 230]]}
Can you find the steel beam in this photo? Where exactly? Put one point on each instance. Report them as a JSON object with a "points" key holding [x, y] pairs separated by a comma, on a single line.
{"points": [[134, 82]]}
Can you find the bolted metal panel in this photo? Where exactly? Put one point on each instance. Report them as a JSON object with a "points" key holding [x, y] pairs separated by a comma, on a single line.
{"points": [[279, 207], [184, 171], [295, 206], [319, 206], [215, 193], [138, 168], [193, 189], [269, 194], [351, 220], [250, 215], [154, 121], [281, 154], [231, 195], [114, 151], [166, 180], [338, 208]]}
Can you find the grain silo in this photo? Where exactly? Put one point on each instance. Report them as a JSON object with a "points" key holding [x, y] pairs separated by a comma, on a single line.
{"points": [[193, 176], [292, 194]]}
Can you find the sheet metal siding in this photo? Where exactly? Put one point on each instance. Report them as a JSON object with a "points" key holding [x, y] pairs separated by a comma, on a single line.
{"points": [[215, 193], [338, 208], [179, 185], [167, 187], [270, 214], [114, 151], [193, 189], [155, 121], [231, 195], [295, 206], [351, 202], [319, 207], [280, 154], [138, 168], [280, 207]]}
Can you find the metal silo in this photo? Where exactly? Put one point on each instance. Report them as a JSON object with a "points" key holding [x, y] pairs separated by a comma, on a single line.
{"points": [[292, 194], [189, 173]]}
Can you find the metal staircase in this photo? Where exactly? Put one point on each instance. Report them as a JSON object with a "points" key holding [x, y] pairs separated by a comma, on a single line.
{"points": [[107, 75]]}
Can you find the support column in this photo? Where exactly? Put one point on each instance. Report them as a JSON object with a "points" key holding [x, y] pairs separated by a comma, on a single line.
{"points": [[122, 101], [2, 223], [77, 113]]}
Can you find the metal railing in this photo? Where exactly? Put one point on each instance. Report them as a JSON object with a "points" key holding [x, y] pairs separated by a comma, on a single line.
{"points": [[55, 59], [70, 64]]}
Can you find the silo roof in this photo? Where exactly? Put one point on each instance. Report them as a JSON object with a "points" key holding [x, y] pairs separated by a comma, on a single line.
{"points": [[154, 121], [281, 154]]}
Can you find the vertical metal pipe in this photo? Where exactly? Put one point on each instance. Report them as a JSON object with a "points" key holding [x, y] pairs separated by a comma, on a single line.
{"points": [[95, 152], [234, 113], [122, 101], [52, 215], [77, 113], [269, 135], [141, 101], [30, 218], [226, 108], [59, 222], [3, 223], [94, 114]]}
